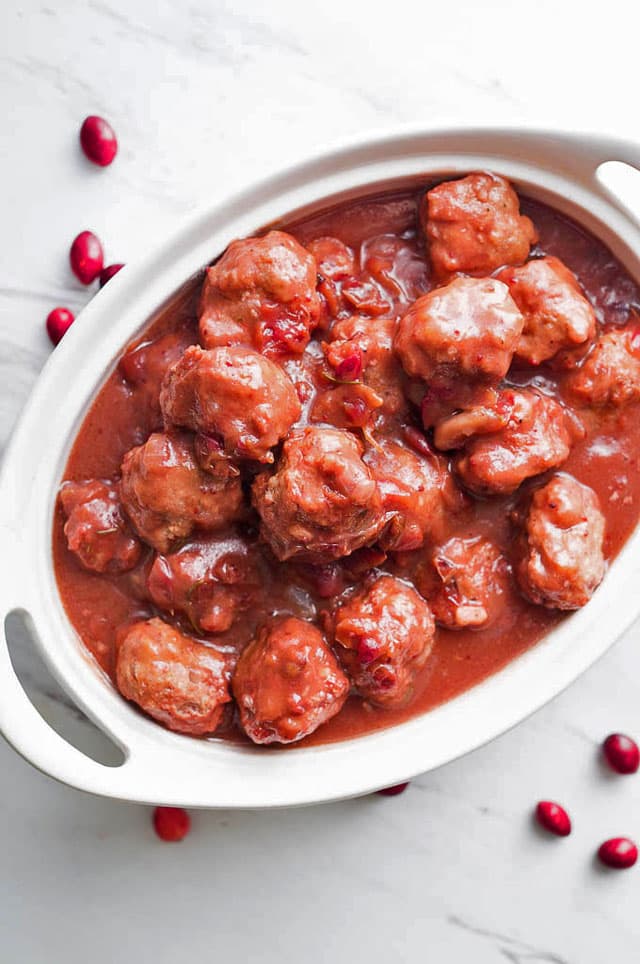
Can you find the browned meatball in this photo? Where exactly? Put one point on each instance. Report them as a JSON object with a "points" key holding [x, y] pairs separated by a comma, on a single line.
{"points": [[146, 362], [210, 581], [559, 560], [262, 292], [465, 581], [167, 495], [362, 349], [537, 437], [322, 502], [384, 635], [96, 530], [611, 373], [418, 493], [474, 225], [234, 394], [181, 683], [466, 330], [287, 683], [557, 316]]}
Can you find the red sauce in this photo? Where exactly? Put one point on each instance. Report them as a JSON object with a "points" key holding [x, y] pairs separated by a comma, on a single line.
{"points": [[122, 415]]}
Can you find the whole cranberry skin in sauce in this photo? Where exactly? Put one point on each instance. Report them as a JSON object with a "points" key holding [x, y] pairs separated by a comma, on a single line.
{"points": [[621, 753], [98, 140], [86, 257]]}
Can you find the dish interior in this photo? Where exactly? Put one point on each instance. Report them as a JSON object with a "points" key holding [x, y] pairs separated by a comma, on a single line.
{"points": [[393, 269]]}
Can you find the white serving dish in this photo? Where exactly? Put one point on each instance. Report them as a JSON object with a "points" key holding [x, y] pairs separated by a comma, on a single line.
{"points": [[160, 766]]}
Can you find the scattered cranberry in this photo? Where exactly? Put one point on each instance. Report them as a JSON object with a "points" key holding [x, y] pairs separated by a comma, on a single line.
{"points": [[393, 791], [619, 852], [98, 140], [171, 823], [86, 257], [107, 273], [621, 753], [58, 322], [553, 818]]}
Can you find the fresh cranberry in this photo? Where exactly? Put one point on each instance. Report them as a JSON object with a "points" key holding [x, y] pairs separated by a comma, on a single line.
{"points": [[86, 257], [107, 273], [621, 753], [618, 852], [98, 140], [553, 818], [368, 651], [393, 791], [350, 368], [171, 823], [58, 322]]}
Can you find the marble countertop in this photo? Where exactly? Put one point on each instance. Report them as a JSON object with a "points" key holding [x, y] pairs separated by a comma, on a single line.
{"points": [[204, 97]]}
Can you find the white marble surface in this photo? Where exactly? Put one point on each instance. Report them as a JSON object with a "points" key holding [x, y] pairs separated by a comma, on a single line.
{"points": [[204, 96]]}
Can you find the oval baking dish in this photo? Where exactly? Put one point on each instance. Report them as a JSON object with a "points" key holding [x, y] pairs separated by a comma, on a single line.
{"points": [[558, 169]]}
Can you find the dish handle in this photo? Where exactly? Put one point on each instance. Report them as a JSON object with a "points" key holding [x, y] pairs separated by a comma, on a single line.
{"points": [[39, 744]]}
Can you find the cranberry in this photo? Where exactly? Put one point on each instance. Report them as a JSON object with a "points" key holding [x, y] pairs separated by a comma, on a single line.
{"points": [[368, 651], [107, 273], [393, 791], [553, 818], [86, 257], [621, 753], [171, 823], [98, 140], [58, 322], [350, 368], [619, 852]]}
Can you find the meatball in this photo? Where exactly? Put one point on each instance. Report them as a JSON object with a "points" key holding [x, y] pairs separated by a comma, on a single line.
{"points": [[474, 225], [362, 348], [145, 363], [559, 559], [96, 529], [262, 292], [322, 502], [287, 683], [418, 493], [465, 582], [611, 373], [242, 399], [485, 419], [210, 581], [167, 495], [333, 258], [181, 683], [384, 634], [467, 330], [537, 437], [557, 316]]}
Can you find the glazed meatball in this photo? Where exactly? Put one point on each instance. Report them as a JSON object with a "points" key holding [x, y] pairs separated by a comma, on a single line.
{"points": [[557, 316], [611, 373], [262, 292], [96, 529], [537, 437], [467, 330], [210, 581], [474, 225], [167, 495], [181, 683], [243, 400], [145, 363], [465, 581], [384, 634], [287, 683], [362, 349], [559, 560], [418, 493], [322, 502]]}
